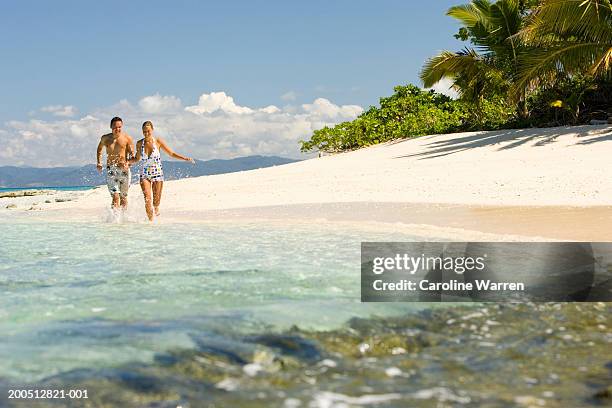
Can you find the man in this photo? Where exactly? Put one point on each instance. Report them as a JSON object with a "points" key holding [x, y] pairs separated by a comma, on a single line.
{"points": [[119, 149]]}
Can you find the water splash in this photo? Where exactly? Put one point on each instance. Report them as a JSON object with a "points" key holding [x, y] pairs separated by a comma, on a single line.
{"points": [[133, 215]]}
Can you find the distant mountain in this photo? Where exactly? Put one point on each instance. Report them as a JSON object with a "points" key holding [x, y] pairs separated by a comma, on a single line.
{"points": [[11, 176]]}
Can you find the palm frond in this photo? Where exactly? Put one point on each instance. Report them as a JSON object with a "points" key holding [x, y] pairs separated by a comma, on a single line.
{"points": [[505, 14], [604, 65], [467, 14], [587, 19], [565, 37], [539, 66], [449, 65]]}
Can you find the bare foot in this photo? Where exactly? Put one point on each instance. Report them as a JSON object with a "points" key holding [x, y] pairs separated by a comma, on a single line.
{"points": [[157, 211]]}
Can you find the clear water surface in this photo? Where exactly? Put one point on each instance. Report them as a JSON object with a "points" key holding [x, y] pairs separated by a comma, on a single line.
{"points": [[82, 295]]}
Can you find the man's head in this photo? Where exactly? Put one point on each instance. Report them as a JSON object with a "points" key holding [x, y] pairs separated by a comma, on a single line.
{"points": [[116, 125]]}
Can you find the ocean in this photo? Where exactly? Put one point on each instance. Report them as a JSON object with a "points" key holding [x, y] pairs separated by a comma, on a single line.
{"points": [[239, 314], [66, 286], [67, 188]]}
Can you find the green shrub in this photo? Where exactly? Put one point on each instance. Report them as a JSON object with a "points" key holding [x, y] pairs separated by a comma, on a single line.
{"points": [[570, 101], [409, 112], [489, 114]]}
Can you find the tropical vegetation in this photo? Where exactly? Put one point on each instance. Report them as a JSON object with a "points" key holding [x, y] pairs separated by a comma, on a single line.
{"points": [[526, 63]]}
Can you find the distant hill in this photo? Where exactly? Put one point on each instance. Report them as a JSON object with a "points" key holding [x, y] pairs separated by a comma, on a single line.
{"points": [[12, 176]]}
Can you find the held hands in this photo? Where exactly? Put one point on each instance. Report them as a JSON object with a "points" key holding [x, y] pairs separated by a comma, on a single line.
{"points": [[99, 168], [190, 160]]}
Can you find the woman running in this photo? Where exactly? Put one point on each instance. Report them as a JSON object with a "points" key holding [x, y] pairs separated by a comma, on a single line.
{"points": [[151, 174]]}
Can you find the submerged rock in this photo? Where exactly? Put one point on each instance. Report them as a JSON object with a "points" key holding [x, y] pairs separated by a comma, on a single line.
{"points": [[24, 193], [291, 345], [604, 393], [418, 360]]}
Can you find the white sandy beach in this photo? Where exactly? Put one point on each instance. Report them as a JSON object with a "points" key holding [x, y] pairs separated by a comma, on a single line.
{"points": [[547, 182]]}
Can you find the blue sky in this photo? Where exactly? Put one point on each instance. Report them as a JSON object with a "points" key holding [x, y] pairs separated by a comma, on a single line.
{"points": [[89, 56]]}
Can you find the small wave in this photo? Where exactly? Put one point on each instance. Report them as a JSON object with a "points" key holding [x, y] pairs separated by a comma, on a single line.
{"points": [[121, 216]]}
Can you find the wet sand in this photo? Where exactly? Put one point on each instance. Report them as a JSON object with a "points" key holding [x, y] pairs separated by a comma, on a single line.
{"points": [[551, 222]]}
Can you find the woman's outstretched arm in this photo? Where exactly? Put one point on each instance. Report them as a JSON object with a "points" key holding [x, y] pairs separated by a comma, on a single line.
{"points": [[171, 152]]}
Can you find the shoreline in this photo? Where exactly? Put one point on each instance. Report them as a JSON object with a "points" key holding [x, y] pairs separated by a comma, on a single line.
{"points": [[539, 183], [443, 221], [589, 223]]}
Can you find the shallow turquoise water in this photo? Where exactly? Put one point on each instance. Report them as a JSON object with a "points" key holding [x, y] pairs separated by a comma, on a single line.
{"points": [[66, 188], [98, 295], [167, 315]]}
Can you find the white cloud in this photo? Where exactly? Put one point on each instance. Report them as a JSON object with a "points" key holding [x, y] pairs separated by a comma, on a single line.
{"points": [[324, 107], [29, 135], [8, 154], [217, 101], [445, 87], [78, 131], [67, 111], [289, 96], [216, 127], [270, 109], [158, 103]]}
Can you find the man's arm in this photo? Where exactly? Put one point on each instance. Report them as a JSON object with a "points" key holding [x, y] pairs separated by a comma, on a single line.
{"points": [[129, 151], [99, 155], [138, 156]]}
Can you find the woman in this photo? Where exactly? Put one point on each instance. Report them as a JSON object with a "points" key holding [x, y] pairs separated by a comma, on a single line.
{"points": [[151, 174]]}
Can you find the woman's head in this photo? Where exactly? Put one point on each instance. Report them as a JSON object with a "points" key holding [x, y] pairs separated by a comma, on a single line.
{"points": [[147, 128]]}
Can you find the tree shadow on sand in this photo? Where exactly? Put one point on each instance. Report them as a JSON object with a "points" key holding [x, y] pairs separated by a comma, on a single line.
{"points": [[509, 139]]}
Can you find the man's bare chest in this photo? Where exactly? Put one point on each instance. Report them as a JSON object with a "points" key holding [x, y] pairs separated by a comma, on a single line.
{"points": [[116, 145]]}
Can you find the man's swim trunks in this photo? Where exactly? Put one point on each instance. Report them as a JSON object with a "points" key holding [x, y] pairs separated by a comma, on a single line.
{"points": [[118, 180]]}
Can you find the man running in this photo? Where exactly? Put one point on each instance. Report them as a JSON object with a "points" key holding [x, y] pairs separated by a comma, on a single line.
{"points": [[119, 149]]}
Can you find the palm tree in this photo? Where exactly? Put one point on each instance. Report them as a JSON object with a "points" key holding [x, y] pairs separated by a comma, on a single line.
{"points": [[489, 68], [566, 37]]}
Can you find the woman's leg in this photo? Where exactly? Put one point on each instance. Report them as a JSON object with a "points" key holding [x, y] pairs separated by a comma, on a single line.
{"points": [[157, 193], [145, 185]]}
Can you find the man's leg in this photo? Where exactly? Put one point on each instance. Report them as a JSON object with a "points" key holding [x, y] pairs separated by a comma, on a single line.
{"points": [[124, 202], [115, 200], [124, 186], [157, 192], [112, 182]]}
